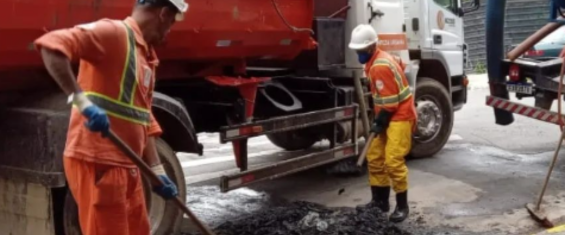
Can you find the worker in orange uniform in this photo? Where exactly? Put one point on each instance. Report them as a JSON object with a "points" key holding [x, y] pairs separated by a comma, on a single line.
{"points": [[393, 125], [115, 88]]}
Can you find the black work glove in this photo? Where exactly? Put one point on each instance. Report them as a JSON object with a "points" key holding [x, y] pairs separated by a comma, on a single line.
{"points": [[381, 122], [384, 118], [376, 128]]}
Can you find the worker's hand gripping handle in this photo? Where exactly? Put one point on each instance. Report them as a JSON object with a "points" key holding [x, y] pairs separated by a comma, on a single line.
{"points": [[363, 154], [155, 180]]}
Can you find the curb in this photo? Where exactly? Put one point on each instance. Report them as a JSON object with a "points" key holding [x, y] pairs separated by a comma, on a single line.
{"points": [[478, 82], [557, 230]]}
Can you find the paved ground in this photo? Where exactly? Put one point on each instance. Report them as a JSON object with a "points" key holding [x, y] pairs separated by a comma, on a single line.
{"points": [[478, 184]]}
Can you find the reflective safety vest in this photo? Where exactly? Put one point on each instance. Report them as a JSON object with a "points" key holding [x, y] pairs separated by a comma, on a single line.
{"points": [[123, 106], [388, 99]]}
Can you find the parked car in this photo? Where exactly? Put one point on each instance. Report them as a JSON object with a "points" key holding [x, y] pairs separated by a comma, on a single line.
{"points": [[549, 47]]}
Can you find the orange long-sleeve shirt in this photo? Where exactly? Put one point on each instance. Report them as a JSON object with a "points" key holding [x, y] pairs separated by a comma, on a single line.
{"points": [[102, 48], [389, 87]]}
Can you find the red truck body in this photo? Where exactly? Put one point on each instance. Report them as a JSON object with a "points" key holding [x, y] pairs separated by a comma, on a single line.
{"points": [[213, 34], [241, 68]]}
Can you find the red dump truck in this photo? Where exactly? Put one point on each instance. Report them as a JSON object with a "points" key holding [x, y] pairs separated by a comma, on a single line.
{"points": [[239, 68]]}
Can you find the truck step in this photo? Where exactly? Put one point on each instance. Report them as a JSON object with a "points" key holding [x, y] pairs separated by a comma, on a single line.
{"points": [[287, 167], [524, 110], [287, 123]]}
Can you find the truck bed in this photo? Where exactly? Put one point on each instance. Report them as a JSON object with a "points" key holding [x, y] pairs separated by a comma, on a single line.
{"points": [[212, 30]]}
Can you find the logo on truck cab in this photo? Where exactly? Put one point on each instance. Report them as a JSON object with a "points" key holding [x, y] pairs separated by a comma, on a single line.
{"points": [[442, 20]]}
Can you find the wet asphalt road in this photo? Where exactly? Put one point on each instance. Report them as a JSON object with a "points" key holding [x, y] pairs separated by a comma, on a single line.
{"points": [[478, 184]]}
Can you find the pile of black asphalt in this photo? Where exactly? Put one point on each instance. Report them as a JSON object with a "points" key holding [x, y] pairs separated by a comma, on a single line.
{"points": [[306, 218]]}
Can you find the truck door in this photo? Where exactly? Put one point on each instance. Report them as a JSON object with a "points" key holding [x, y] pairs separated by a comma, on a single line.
{"points": [[447, 37]]}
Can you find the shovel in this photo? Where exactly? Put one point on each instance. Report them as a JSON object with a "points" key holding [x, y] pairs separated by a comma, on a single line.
{"points": [[155, 180], [535, 211]]}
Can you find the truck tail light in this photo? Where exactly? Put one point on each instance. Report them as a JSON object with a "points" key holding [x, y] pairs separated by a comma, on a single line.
{"points": [[514, 73], [534, 53]]}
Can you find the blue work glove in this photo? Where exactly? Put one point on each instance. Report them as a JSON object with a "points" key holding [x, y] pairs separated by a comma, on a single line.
{"points": [[97, 119], [168, 190]]}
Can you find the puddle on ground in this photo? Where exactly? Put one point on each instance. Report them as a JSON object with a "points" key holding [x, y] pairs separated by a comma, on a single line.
{"points": [[215, 207], [497, 152]]}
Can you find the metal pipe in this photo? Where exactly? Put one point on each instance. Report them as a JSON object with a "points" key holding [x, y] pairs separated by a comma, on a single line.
{"points": [[494, 24], [532, 40], [342, 10]]}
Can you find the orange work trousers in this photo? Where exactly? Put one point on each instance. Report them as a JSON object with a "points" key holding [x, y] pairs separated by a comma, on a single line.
{"points": [[110, 199]]}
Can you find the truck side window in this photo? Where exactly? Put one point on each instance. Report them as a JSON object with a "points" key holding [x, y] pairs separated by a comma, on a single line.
{"points": [[448, 4]]}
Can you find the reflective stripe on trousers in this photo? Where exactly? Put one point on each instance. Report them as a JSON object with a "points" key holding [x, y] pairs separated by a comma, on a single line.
{"points": [[386, 155], [123, 107]]}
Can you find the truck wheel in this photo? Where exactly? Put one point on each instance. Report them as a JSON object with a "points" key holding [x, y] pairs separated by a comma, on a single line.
{"points": [[164, 217], [70, 216], [292, 140], [435, 118]]}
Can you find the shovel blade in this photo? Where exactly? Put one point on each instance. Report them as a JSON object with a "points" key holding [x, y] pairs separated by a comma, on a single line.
{"points": [[539, 215]]}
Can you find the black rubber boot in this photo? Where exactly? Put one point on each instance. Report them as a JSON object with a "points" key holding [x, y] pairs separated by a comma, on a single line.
{"points": [[402, 210], [380, 197]]}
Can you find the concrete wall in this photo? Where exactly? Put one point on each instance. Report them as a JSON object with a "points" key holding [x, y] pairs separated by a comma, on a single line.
{"points": [[523, 17]]}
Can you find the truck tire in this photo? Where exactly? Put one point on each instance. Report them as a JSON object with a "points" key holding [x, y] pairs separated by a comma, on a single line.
{"points": [[164, 217], [435, 118], [70, 216], [292, 140]]}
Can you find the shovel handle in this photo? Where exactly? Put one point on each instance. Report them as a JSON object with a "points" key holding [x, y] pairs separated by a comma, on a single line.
{"points": [[155, 180], [361, 158]]}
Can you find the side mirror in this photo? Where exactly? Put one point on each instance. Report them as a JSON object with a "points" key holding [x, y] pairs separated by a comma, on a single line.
{"points": [[474, 6], [460, 12]]}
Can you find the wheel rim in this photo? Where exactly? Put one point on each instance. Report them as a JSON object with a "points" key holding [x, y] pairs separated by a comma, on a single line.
{"points": [[155, 206], [430, 118]]}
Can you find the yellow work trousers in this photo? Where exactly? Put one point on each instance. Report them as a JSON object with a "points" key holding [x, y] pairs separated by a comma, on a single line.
{"points": [[386, 156]]}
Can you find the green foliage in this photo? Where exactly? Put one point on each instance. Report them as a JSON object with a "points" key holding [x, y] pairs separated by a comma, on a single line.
{"points": [[480, 67]]}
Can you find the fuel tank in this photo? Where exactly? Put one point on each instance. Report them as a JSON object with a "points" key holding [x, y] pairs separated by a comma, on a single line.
{"points": [[212, 30]]}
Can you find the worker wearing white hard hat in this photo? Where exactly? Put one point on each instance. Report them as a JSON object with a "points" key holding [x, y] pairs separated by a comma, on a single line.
{"points": [[115, 85], [393, 124], [179, 5], [364, 40]]}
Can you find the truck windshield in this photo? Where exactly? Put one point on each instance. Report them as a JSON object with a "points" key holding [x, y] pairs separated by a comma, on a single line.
{"points": [[447, 4]]}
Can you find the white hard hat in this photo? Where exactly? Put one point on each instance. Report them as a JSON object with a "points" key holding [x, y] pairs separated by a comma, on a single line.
{"points": [[362, 37], [182, 6]]}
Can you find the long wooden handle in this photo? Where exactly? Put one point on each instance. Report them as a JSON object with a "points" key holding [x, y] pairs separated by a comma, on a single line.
{"points": [[155, 180], [361, 158], [362, 105], [548, 176]]}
